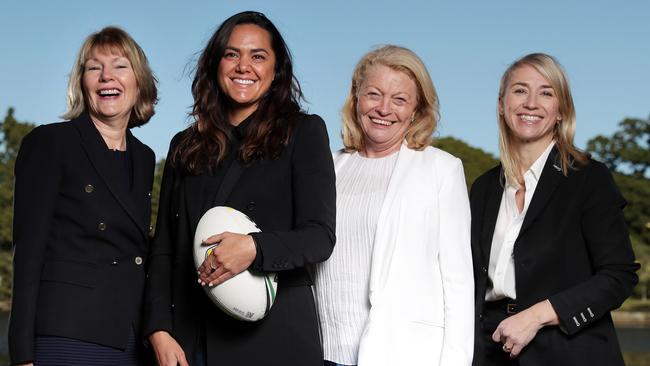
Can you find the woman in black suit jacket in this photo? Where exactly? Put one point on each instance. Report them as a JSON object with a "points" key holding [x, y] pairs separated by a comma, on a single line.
{"points": [[552, 256], [246, 112], [82, 206]]}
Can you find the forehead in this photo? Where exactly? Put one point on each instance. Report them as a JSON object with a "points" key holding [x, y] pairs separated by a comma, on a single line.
{"points": [[528, 75], [252, 35], [383, 76], [105, 50]]}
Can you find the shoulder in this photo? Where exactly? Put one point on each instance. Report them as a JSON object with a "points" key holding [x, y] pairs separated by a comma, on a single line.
{"points": [[441, 159], [49, 134], [487, 179], [143, 148], [308, 128]]}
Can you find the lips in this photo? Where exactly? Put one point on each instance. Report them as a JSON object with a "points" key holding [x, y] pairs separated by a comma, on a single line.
{"points": [[239, 81], [106, 93], [530, 118], [382, 122]]}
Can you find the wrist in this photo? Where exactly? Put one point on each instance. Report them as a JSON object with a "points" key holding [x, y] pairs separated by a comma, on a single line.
{"points": [[545, 314]]}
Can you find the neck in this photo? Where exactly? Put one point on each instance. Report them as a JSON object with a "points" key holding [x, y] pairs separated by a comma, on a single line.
{"points": [[530, 152], [114, 134], [379, 152], [238, 115]]}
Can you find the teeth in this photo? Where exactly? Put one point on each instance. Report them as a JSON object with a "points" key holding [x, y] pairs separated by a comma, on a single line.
{"points": [[530, 118], [109, 92], [243, 81], [381, 121]]}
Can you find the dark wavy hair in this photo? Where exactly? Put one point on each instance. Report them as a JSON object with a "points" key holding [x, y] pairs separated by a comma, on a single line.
{"points": [[207, 141]]}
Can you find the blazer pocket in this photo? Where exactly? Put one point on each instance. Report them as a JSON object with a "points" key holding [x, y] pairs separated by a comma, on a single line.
{"points": [[70, 272]]}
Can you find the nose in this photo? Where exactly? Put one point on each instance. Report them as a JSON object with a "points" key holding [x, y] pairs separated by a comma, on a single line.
{"points": [[384, 106], [243, 65], [106, 74], [531, 101]]}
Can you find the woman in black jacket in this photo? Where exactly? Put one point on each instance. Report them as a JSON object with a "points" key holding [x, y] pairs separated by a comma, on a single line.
{"points": [[552, 254], [82, 206], [246, 112]]}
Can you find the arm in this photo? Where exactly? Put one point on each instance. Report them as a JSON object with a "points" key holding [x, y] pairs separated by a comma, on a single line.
{"points": [[456, 269], [38, 175], [609, 248], [314, 197]]}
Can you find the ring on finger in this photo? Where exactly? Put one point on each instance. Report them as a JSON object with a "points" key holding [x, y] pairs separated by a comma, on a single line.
{"points": [[506, 348]]}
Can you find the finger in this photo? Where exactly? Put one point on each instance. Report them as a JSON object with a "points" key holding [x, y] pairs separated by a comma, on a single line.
{"points": [[215, 238], [516, 349], [496, 336], [221, 279], [182, 361]]}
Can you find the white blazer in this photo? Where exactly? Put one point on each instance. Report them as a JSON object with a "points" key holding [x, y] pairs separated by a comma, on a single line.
{"points": [[421, 279]]}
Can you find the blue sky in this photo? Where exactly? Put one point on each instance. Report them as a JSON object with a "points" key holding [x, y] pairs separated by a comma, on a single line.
{"points": [[466, 45]]}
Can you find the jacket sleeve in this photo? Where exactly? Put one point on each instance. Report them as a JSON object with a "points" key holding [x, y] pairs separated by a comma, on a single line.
{"points": [[609, 248], [157, 298], [456, 269], [314, 195], [37, 179]]}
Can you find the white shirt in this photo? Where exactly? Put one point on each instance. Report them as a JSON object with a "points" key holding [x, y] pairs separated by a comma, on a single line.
{"points": [[342, 282], [501, 269]]}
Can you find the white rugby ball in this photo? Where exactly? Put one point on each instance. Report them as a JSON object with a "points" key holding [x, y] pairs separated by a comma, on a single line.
{"points": [[247, 296]]}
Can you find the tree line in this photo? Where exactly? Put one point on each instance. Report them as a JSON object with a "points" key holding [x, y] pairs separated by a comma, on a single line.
{"points": [[626, 153]]}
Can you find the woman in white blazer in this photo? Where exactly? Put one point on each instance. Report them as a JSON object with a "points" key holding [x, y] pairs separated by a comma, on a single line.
{"points": [[398, 289]]}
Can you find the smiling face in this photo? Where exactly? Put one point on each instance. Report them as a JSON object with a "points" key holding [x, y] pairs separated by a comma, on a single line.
{"points": [[246, 69], [110, 87], [386, 104], [530, 108]]}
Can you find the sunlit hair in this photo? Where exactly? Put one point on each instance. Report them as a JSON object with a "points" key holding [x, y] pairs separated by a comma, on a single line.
{"points": [[207, 142], [115, 41], [419, 133], [564, 130]]}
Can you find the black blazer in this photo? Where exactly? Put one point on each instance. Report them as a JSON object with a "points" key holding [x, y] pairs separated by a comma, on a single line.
{"points": [[573, 249], [80, 237], [292, 200]]}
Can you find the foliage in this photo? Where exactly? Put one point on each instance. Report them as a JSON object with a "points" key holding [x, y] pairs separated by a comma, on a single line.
{"points": [[155, 191], [627, 154], [475, 161], [627, 150], [12, 133]]}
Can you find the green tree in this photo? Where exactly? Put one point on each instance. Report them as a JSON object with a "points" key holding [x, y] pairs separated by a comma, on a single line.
{"points": [[12, 133], [627, 154], [155, 191], [475, 161]]}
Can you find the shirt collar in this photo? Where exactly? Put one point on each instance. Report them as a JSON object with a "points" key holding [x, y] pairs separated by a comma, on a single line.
{"points": [[538, 166]]}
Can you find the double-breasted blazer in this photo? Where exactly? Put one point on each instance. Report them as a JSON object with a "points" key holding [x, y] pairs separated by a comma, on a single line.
{"points": [[80, 237], [421, 284], [292, 200], [573, 249]]}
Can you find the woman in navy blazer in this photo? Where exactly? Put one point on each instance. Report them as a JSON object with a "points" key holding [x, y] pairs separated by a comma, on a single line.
{"points": [[82, 206], [552, 256]]}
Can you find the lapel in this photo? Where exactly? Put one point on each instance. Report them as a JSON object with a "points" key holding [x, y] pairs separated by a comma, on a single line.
{"points": [[494, 196], [386, 232], [199, 190], [100, 158], [548, 182]]}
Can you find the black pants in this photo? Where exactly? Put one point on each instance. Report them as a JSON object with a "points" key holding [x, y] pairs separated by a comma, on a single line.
{"points": [[493, 354]]}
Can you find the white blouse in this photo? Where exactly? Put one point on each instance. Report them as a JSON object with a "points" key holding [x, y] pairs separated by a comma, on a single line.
{"points": [[341, 283]]}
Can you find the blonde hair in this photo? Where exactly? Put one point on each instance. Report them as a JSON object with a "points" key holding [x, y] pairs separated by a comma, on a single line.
{"points": [[116, 41], [419, 133], [564, 130]]}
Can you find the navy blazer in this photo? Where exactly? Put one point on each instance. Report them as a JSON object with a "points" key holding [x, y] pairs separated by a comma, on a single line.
{"points": [[80, 238], [573, 249]]}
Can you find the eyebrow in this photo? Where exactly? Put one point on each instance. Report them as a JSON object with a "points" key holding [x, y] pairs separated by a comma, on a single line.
{"points": [[254, 50], [545, 86]]}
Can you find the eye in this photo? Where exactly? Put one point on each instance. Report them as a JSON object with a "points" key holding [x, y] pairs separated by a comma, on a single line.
{"points": [[547, 93], [400, 101], [519, 91], [230, 55], [373, 95], [259, 57], [92, 68]]}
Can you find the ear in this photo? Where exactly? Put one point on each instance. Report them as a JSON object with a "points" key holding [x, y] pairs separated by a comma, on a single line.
{"points": [[500, 106]]}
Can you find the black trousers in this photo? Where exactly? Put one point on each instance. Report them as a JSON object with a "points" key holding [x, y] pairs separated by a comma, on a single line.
{"points": [[493, 354]]}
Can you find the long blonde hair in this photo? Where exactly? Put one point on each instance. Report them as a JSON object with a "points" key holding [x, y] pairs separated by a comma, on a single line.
{"points": [[564, 130]]}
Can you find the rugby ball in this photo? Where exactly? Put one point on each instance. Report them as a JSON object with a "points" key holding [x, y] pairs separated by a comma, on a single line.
{"points": [[247, 296]]}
